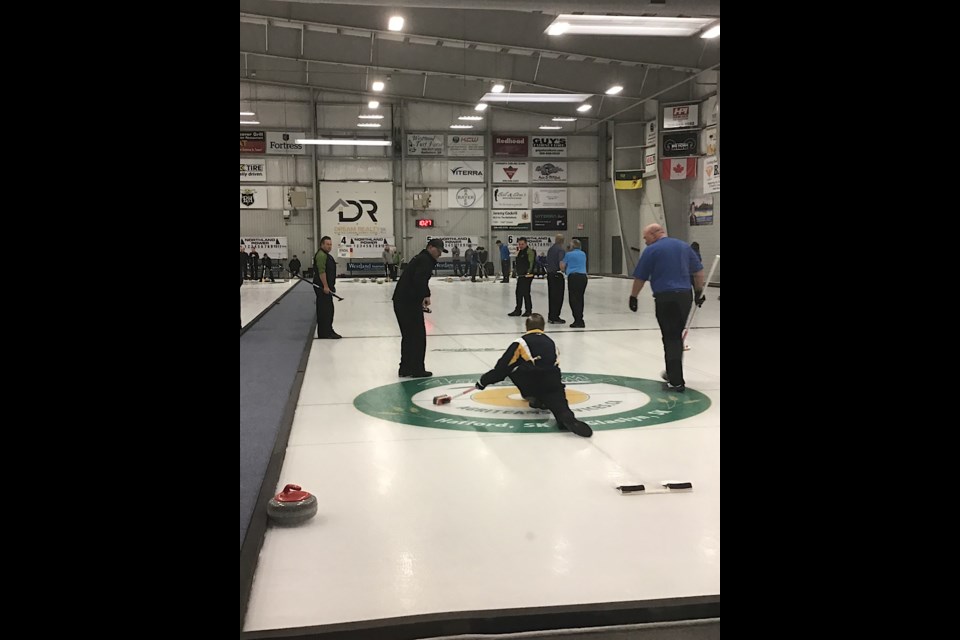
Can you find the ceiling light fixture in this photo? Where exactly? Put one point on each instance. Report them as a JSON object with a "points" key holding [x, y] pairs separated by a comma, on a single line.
{"points": [[249, 122], [626, 25], [470, 118], [395, 24], [481, 107], [564, 119], [584, 107], [614, 90], [712, 32], [377, 86], [247, 113], [369, 124], [346, 141], [497, 88], [544, 126], [370, 116], [535, 97], [373, 104], [461, 126]]}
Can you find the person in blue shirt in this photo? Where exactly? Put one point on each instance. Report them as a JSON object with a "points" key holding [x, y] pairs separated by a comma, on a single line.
{"points": [[668, 263], [504, 261], [575, 266]]}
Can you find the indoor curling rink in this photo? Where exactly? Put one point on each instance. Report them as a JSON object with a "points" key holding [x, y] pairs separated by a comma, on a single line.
{"points": [[482, 503]]}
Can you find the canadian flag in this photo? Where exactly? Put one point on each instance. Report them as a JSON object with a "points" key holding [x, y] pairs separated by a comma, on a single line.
{"points": [[678, 168]]}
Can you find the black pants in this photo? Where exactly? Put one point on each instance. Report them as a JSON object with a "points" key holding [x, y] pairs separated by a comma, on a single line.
{"points": [[324, 313], [505, 267], [523, 293], [577, 282], [266, 272], [254, 267], [392, 272], [555, 294], [457, 270], [413, 332], [672, 308], [552, 396], [295, 273]]}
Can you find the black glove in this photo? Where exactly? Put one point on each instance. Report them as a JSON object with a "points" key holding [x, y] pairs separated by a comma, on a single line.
{"points": [[633, 303], [481, 387], [698, 297]]}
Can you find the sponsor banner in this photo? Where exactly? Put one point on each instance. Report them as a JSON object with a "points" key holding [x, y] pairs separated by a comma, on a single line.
{"points": [[424, 145], [708, 141], [650, 160], [511, 219], [628, 180], [465, 171], [275, 247], [366, 266], [549, 172], [465, 198], [253, 198], [450, 241], [253, 142], [285, 143], [511, 197], [513, 146], [711, 175], [460, 145], [681, 116], [651, 129], [549, 198], [701, 211], [548, 147], [253, 170], [356, 247], [549, 219], [511, 172], [679, 143], [356, 209], [540, 244]]}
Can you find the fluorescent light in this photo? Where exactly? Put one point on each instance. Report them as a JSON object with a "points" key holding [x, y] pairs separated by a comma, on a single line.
{"points": [[712, 32], [536, 97], [481, 107], [543, 126], [249, 122], [370, 116], [564, 119], [584, 107], [461, 126], [558, 28], [377, 86], [614, 90], [626, 25], [368, 124], [346, 141], [470, 118], [395, 24], [247, 113], [497, 88], [373, 104]]}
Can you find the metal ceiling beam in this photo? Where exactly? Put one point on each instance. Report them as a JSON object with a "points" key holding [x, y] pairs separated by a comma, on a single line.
{"points": [[407, 38], [706, 8], [396, 97], [364, 68]]}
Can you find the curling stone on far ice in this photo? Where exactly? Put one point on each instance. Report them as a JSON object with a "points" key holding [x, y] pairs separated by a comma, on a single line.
{"points": [[292, 506]]}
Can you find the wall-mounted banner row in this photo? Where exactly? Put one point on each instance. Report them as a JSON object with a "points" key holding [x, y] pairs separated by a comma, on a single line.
{"points": [[273, 142]]}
